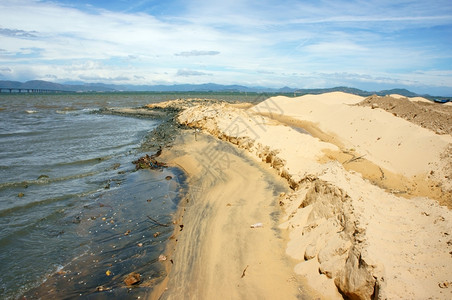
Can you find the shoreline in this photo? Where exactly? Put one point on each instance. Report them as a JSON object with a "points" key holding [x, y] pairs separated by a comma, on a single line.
{"points": [[347, 232]]}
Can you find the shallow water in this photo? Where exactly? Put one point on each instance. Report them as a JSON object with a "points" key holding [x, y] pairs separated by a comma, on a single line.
{"points": [[63, 168], [115, 237]]}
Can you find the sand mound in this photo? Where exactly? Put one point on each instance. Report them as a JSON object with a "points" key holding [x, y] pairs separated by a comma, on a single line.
{"points": [[351, 236], [433, 116]]}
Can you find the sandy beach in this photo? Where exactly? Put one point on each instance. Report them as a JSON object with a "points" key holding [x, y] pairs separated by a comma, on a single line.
{"points": [[354, 197]]}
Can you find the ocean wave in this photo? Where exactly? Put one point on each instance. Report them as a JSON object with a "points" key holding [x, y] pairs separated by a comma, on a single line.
{"points": [[87, 161], [44, 180], [26, 206], [20, 132]]}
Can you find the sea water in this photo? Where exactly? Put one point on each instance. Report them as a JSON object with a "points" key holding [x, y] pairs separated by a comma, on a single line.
{"points": [[74, 213]]}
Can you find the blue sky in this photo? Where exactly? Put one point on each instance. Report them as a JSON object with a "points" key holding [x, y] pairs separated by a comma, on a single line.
{"points": [[371, 45]]}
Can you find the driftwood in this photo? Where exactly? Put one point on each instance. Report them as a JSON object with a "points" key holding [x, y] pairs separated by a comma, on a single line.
{"points": [[243, 274], [382, 174], [354, 158]]}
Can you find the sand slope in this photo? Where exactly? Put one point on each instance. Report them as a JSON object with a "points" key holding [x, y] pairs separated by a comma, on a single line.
{"points": [[349, 233]]}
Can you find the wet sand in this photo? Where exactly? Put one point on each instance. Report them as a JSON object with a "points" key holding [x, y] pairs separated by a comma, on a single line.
{"points": [[218, 254]]}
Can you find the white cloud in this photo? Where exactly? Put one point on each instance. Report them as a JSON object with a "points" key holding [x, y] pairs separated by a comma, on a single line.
{"points": [[101, 78], [247, 42], [197, 53], [17, 33], [186, 73]]}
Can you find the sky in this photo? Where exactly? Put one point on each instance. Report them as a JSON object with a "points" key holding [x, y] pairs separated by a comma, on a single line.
{"points": [[369, 44]]}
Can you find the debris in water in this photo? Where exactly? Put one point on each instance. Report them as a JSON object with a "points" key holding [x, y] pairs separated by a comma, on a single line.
{"points": [[127, 232], [168, 177], [108, 272], [149, 162], [162, 257], [101, 288], [132, 278]]}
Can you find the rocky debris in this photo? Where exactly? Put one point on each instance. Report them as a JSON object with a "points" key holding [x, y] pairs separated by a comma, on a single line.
{"points": [[132, 279], [149, 162], [433, 116]]}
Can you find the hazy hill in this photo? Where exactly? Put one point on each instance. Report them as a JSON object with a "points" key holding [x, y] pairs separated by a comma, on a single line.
{"points": [[206, 87]]}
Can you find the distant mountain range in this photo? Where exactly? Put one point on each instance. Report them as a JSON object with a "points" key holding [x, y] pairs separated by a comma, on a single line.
{"points": [[207, 87]]}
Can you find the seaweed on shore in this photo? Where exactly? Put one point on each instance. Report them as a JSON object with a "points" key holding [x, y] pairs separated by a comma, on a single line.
{"points": [[149, 162]]}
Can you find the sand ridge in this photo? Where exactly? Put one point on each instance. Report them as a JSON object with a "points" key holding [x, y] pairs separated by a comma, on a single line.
{"points": [[349, 234]]}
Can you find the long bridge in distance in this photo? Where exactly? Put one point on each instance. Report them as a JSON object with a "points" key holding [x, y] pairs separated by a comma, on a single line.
{"points": [[29, 91]]}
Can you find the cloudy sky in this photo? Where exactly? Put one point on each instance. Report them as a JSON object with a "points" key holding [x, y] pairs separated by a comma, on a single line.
{"points": [[368, 44]]}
